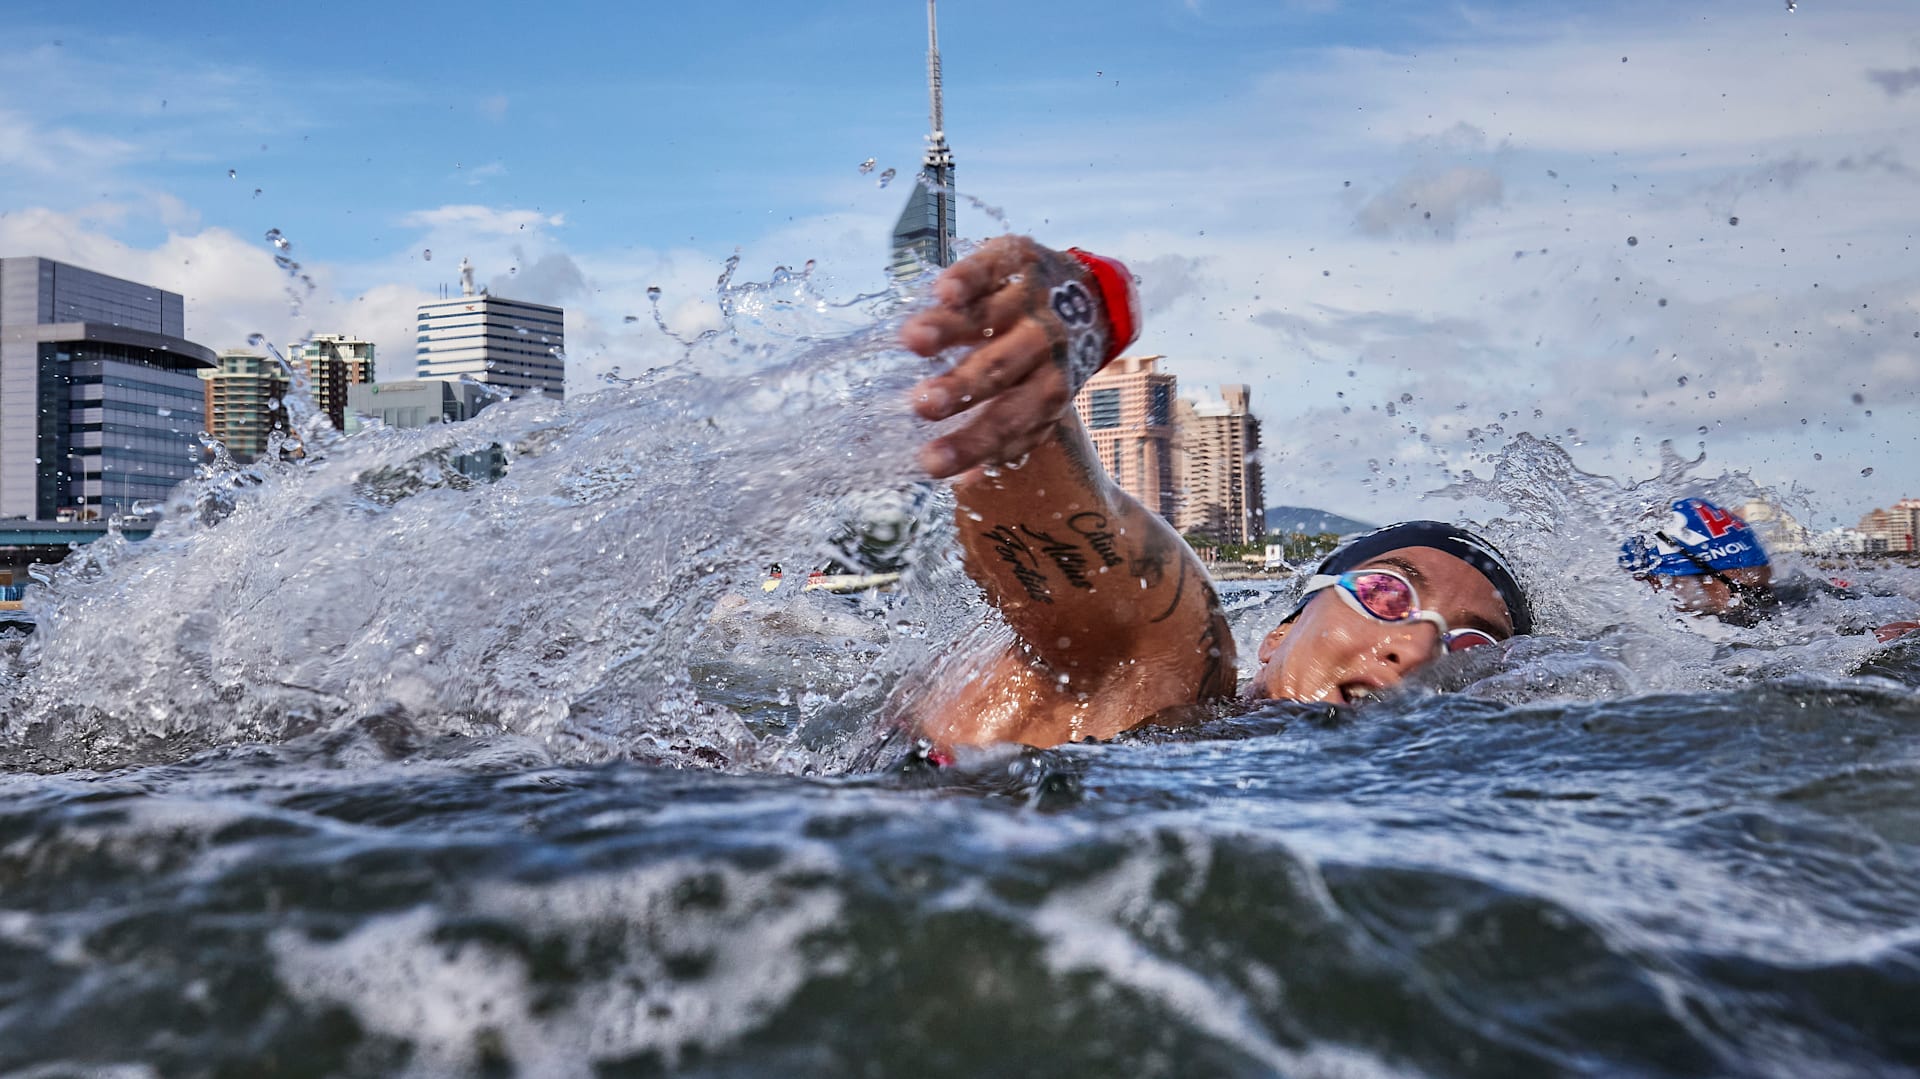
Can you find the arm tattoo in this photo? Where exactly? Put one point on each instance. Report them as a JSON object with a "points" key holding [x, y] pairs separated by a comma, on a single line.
{"points": [[1019, 557], [1150, 565], [1215, 679], [1066, 556], [1094, 527], [1179, 589]]}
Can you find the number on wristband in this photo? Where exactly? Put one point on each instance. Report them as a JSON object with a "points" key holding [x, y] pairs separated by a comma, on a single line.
{"points": [[1086, 338]]}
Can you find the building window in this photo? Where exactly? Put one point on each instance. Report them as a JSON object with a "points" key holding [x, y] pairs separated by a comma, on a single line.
{"points": [[1160, 405], [1103, 409]]}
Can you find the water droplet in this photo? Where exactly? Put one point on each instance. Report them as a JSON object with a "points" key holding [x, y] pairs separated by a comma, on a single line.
{"points": [[256, 192], [887, 177], [1663, 301], [279, 241], [1818, 457], [653, 293], [427, 254], [1633, 241], [1406, 399], [1098, 73], [1867, 471], [233, 174], [256, 339], [867, 166], [163, 412], [1682, 380], [511, 270], [631, 318], [1701, 430], [1733, 221], [1859, 399]]}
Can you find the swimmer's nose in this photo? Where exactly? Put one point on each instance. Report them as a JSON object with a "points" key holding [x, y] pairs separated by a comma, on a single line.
{"points": [[1411, 645]]}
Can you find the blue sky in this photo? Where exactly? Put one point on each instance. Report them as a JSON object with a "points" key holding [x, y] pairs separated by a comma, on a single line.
{"points": [[1343, 205]]}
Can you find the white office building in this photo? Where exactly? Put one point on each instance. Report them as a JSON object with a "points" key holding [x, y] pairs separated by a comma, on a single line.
{"points": [[514, 345]]}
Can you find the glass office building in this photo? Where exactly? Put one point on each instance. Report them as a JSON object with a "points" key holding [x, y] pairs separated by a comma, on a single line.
{"points": [[101, 404]]}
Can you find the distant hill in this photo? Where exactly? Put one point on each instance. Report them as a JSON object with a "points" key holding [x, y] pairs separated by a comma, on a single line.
{"points": [[1311, 521]]}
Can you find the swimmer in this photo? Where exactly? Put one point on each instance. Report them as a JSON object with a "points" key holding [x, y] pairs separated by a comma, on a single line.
{"points": [[1113, 615], [1708, 560], [1713, 565]]}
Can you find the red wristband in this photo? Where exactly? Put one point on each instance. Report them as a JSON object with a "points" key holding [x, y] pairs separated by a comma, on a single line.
{"points": [[1118, 294]]}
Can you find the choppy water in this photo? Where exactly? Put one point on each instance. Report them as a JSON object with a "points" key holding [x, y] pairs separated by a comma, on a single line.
{"points": [[359, 768]]}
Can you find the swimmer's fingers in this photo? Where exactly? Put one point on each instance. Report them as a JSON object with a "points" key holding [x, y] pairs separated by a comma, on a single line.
{"points": [[937, 329], [1007, 359], [1005, 428], [997, 264]]}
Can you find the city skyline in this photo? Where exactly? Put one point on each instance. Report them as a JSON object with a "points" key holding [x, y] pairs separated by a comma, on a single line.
{"points": [[1633, 222]]}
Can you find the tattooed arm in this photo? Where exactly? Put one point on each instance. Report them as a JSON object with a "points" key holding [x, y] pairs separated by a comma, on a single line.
{"points": [[1101, 592], [1094, 584]]}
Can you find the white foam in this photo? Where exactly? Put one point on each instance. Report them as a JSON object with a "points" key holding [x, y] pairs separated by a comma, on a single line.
{"points": [[449, 1000]]}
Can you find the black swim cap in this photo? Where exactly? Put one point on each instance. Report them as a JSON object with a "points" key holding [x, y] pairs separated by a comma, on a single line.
{"points": [[1458, 542]]}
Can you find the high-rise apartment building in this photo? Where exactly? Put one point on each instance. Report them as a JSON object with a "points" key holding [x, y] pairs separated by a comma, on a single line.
{"points": [[510, 344], [100, 403], [1128, 410], [332, 362], [1222, 493], [1896, 529], [246, 395]]}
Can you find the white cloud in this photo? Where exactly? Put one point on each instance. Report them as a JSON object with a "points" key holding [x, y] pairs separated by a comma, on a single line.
{"points": [[481, 220]]}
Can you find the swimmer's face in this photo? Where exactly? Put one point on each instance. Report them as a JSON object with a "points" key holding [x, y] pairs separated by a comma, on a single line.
{"points": [[1698, 593], [1334, 653]]}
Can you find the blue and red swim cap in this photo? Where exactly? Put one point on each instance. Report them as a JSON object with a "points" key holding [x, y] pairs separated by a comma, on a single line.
{"points": [[1699, 538]]}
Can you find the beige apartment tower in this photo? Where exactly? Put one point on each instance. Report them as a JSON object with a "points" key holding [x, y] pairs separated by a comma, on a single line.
{"points": [[1128, 411], [1222, 495], [245, 400]]}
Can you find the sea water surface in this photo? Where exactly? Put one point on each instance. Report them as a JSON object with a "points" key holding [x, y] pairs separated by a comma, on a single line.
{"points": [[360, 767]]}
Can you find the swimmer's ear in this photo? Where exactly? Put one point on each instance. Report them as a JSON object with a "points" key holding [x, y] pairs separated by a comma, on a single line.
{"points": [[1271, 644]]}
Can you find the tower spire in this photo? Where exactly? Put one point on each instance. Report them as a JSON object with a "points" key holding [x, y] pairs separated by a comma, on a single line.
{"points": [[937, 114], [924, 235]]}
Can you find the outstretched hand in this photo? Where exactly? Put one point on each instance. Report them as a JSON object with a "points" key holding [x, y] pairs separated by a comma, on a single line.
{"points": [[1034, 332]]}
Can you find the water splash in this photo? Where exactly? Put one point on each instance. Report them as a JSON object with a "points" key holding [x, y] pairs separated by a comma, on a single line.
{"points": [[373, 579]]}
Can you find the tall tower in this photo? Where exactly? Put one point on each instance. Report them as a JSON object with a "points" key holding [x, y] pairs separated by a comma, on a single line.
{"points": [[923, 237]]}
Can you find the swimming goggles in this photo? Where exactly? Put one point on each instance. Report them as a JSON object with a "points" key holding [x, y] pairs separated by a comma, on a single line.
{"points": [[1385, 596]]}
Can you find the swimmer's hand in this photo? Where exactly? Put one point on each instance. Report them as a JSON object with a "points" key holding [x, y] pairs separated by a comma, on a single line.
{"points": [[1035, 328], [1892, 630]]}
